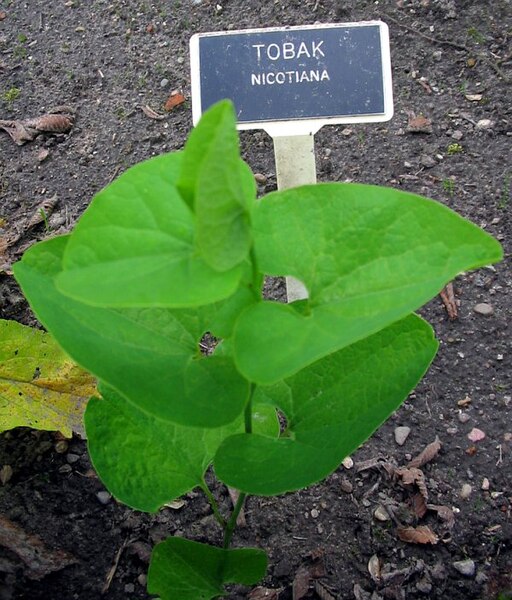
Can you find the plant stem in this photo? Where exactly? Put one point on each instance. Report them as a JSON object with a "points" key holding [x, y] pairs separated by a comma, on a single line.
{"points": [[215, 507], [231, 524]]}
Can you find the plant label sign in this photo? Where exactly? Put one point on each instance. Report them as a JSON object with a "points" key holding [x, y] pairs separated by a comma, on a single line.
{"points": [[294, 80]]}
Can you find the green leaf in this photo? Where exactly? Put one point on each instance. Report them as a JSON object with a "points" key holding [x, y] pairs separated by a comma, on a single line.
{"points": [[147, 462], [368, 257], [40, 386], [219, 187], [331, 407], [189, 570], [150, 356], [135, 246]]}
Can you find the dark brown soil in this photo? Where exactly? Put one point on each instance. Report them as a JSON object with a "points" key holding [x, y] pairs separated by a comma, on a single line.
{"points": [[451, 63]]}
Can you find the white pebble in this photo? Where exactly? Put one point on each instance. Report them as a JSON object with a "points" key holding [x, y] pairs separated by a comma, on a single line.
{"points": [[401, 434]]}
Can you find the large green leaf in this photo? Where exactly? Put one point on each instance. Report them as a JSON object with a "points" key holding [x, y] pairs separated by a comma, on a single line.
{"points": [[147, 462], [331, 407], [40, 386], [220, 187], [149, 355], [186, 570], [135, 246], [368, 257]]}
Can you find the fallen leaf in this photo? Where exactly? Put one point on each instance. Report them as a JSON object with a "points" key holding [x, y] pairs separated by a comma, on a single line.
{"points": [[40, 561], [427, 454], [412, 476], [476, 435], [42, 211], [40, 386], [149, 112], [417, 535], [22, 131], [418, 124], [175, 99], [374, 568], [445, 513], [419, 505]]}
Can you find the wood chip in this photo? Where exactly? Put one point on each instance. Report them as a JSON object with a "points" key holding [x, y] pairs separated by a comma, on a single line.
{"points": [[417, 535], [448, 298], [427, 454]]}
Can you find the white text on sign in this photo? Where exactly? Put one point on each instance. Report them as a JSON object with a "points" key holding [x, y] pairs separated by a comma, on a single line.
{"points": [[289, 51]]}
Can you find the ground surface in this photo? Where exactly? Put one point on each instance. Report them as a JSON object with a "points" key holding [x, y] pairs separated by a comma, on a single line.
{"points": [[451, 64]]}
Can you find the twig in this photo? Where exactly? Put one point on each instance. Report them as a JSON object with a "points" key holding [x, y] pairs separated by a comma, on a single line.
{"points": [[113, 568]]}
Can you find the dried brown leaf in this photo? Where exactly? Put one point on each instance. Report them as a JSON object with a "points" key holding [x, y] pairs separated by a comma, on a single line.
{"points": [[42, 211], [175, 99], [419, 505], [417, 535], [412, 476], [448, 298], [30, 549], [149, 112], [418, 124], [427, 454], [445, 513], [50, 123], [374, 568]]}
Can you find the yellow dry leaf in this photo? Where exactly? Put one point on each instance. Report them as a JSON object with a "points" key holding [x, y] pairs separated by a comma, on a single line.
{"points": [[40, 386]]}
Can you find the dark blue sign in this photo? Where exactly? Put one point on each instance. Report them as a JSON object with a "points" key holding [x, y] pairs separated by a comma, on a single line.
{"points": [[297, 73]]}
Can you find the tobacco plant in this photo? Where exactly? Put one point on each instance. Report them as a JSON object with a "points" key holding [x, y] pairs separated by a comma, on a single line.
{"points": [[178, 246]]}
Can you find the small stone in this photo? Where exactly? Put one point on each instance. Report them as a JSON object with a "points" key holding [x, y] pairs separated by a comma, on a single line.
{"points": [[427, 161], [142, 579], [381, 514], [164, 83], [465, 491], [485, 484], [476, 435], [104, 497], [481, 578], [129, 588], [346, 486], [347, 462], [465, 567], [452, 431], [260, 178], [457, 135], [72, 458], [437, 55], [484, 124], [483, 309], [65, 469], [61, 446], [401, 434], [463, 417], [315, 513]]}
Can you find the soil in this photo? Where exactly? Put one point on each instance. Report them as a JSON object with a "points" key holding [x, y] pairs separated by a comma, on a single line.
{"points": [[451, 63]]}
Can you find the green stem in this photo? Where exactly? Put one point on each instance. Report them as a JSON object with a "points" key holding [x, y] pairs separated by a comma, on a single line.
{"points": [[215, 507], [231, 524]]}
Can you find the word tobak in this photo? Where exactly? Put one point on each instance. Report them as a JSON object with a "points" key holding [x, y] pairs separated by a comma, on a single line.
{"points": [[314, 75]]}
